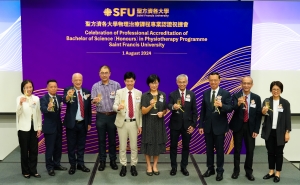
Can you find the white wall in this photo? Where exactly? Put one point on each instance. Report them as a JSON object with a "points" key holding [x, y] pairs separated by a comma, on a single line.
{"points": [[8, 135]]}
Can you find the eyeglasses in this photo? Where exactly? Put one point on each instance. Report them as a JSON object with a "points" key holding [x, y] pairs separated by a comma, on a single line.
{"points": [[276, 90], [104, 73]]}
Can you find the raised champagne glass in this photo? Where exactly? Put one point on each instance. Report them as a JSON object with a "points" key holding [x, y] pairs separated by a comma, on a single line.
{"points": [[73, 91], [100, 98], [155, 99], [51, 99], [244, 107]]}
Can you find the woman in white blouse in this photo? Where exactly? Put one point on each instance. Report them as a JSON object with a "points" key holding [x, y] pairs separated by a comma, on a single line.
{"points": [[276, 129], [29, 126]]}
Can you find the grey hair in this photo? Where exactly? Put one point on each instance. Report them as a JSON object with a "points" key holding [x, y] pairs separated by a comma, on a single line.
{"points": [[182, 76], [246, 77], [76, 74]]}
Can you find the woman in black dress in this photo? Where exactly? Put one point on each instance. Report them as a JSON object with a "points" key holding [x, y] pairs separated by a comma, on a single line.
{"points": [[154, 135]]}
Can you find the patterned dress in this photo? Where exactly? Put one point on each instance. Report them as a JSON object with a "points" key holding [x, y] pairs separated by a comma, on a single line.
{"points": [[154, 136]]}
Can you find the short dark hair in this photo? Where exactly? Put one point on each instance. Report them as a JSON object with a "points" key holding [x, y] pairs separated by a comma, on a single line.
{"points": [[51, 81], [24, 83], [215, 73], [152, 78], [129, 75], [104, 66], [277, 83]]}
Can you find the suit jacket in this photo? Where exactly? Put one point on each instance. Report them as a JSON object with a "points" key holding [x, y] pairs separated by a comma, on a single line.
{"points": [[283, 121], [23, 114], [72, 107], [121, 114], [237, 119], [188, 117], [52, 121], [215, 121]]}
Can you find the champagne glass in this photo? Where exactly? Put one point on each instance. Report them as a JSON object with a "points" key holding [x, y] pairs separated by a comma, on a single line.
{"points": [[244, 107], [179, 103], [218, 98], [73, 91], [51, 99], [26, 94], [267, 104], [100, 98], [123, 102], [155, 99]]}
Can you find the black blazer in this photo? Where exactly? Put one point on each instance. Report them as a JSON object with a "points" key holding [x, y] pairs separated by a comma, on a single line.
{"points": [[237, 120], [71, 111], [283, 121], [208, 119], [188, 117], [52, 121]]}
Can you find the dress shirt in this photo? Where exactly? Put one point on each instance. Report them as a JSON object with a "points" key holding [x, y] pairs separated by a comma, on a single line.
{"points": [[78, 113], [216, 93], [275, 113]]}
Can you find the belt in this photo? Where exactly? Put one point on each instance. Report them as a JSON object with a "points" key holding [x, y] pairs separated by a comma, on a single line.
{"points": [[129, 120], [107, 113], [79, 121]]}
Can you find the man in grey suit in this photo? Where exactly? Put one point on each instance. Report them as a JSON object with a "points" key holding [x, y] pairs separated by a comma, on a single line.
{"points": [[128, 121], [216, 104]]}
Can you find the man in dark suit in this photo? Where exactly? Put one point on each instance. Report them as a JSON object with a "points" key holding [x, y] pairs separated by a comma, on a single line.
{"points": [[77, 121], [52, 127], [245, 124], [216, 103], [182, 103]]}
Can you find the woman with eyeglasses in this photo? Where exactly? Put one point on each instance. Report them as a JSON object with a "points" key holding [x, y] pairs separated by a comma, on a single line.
{"points": [[29, 126], [154, 137], [276, 128]]}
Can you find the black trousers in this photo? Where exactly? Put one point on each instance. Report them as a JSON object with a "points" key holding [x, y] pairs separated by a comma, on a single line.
{"points": [[174, 136], [53, 144], [275, 153], [106, 123], [76, 138], [238, 137], [29, 150], [214, 141]]}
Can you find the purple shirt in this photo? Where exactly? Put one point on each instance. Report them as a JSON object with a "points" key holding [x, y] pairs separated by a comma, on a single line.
{"points": [[108, 93]]}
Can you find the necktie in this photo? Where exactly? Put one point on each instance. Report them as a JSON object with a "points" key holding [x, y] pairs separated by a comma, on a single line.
{"points": [[182, 98], [130, 105], [213, 99], [81, 104], [55, 103], [246, 116]]}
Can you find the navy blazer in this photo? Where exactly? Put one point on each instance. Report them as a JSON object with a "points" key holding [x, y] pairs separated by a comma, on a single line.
{"points": [[72, 107], [237, 120], [52, 120], [209, 119], [188, 117], [283, 121]]}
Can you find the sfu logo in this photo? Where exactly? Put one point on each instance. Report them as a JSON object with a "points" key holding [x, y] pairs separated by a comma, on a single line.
{"points": [[119, 12]]}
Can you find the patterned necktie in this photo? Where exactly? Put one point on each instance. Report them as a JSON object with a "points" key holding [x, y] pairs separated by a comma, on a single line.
{"points": [[246, 116], [81, 104], [55, 103], [130, 105], [213, 99], [182, 98]]}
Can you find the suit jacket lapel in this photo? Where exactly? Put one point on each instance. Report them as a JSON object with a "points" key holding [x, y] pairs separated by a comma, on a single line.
{"points": [[271, 107], [279, 113], [208, 99]]}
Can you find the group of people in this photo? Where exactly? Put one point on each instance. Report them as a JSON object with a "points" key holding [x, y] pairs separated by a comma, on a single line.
{"points": [[129, 112]]}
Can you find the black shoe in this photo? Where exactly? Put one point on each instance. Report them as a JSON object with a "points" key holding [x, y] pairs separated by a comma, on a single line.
{"points": [[276, 179], [72, 170], [133, 171], [250, 177], [36, 175], [185, 172], [82, 168], [113, 165], [60, 168], [149, 173], [173, 171], [209, 173], [235, 175], [51, 172], [102, 166], [26, 176], [268, 176], [155, 172], [123, 171], [219, 177]]}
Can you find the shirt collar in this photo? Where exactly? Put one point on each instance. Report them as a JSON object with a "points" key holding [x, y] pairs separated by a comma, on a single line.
{"points": [[217, 90], [181, 91], [51, 95], [109, 82]]}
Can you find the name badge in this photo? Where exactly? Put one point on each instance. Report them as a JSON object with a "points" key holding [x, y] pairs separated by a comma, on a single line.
{"points": [[253, 105], [161, 98], [112, 95], [188, 98], [137, 99], [280, 109]]}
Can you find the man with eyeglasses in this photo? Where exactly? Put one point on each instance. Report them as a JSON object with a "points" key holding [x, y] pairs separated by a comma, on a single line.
{"points": [[103, 95], [245, 124]]}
